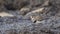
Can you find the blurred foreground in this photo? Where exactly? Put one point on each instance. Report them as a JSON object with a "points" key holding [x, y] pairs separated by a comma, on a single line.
{"points": [[29, 16]]}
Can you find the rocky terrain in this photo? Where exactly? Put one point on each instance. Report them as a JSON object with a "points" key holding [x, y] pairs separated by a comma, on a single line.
{"points": [[29, 16]]}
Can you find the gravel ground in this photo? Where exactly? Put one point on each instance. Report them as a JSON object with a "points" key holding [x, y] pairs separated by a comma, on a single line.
{"points": [[8, 25]]}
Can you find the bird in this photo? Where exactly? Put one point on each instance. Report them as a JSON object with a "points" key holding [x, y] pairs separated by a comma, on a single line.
{"points": [[36, 18]]}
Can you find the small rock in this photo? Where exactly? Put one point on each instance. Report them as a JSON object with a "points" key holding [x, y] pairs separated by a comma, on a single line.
{"points": [[24, 11]]}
